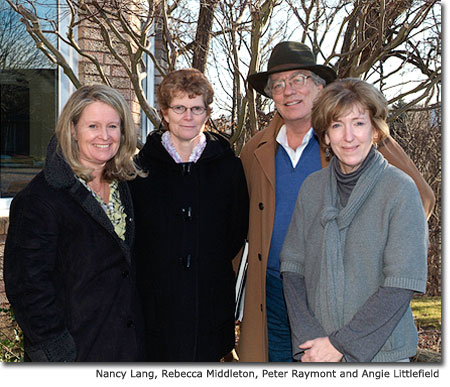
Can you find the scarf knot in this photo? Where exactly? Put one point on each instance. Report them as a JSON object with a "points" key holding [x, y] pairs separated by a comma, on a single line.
{"points": [[328, 215]]}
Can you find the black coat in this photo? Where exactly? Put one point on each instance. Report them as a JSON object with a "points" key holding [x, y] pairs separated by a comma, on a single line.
{"points": [[68, 276], [191, 220]]}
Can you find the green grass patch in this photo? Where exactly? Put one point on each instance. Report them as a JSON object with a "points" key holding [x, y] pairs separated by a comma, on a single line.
{"points": [[427, 312]]}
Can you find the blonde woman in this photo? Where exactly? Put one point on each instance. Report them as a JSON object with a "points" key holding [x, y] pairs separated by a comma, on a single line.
{"points": [[68, 270]]}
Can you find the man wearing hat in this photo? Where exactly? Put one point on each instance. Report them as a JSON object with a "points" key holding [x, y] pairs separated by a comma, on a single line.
{"points": [[276, 161]]}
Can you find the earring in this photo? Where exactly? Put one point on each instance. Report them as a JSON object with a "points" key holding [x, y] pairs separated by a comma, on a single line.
{"points": [[375, 140], [327, 152]]}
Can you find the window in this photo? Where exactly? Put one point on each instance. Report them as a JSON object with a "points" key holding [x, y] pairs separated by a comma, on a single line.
{"points": [[28, 116], [30, 87]]}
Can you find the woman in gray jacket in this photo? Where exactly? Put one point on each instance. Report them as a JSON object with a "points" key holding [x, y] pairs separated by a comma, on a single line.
{"points": [[356, 248]]}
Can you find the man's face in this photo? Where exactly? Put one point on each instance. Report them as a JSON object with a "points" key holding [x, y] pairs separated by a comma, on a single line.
{"points": [[295, 102]]}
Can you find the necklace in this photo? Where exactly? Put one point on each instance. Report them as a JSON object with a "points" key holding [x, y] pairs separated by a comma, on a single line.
{"points": [[102, 191]]}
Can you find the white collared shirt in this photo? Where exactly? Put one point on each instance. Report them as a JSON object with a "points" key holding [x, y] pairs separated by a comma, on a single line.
{"points": [[294, 155]]}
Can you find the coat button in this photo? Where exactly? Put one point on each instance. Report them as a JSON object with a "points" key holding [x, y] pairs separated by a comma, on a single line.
{"points": [[259, 256], [130, 323], [125, 273], [187, 213], [261, 206]]}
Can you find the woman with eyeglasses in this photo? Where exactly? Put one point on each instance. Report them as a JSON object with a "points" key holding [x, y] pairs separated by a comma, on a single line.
{"points": [[191, 221]]}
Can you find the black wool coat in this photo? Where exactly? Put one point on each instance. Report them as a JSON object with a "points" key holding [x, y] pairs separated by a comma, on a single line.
{"points": [[68, 276], [191, 221]]}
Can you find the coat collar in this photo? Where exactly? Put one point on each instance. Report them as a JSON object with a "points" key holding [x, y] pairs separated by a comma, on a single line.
{"points": [[60, 176], [267, 147], [217, 146], [57, 171]]}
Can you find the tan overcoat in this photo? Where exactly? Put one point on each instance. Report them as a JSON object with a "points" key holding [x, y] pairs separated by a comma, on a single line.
{"points": [[258, 158]]}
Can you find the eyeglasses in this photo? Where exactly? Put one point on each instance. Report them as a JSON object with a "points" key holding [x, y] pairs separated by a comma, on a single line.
{"points": [[297, 81], [197, 110]]}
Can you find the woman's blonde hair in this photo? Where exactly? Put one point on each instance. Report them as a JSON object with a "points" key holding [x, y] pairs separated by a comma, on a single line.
{"points": [[339, 97], [121, 166]]}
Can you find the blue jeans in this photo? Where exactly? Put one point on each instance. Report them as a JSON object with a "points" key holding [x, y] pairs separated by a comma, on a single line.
{"points": [[280, 348]]}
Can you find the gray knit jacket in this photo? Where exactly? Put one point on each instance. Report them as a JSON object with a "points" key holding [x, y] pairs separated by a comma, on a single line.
{"points": [[379, 239]]}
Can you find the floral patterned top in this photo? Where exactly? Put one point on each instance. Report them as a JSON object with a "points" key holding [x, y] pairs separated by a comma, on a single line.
{"points": [[113, 209]]}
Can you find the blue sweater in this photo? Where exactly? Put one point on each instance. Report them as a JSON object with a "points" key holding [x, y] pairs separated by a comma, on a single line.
{"points": [[288, 183]]}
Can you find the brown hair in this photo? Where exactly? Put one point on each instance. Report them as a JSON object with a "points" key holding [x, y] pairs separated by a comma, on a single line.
{"points": [[189, 81], [338, 97], [121, 166]]}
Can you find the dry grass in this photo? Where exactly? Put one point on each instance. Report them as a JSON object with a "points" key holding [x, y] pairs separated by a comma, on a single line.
{"points": [[427, 315]]}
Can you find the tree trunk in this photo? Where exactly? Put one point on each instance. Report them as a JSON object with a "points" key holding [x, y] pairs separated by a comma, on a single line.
{"points": [[203, 35]]}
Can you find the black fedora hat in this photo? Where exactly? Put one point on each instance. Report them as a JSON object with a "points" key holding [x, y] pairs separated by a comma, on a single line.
{"points": [[287, 56]]}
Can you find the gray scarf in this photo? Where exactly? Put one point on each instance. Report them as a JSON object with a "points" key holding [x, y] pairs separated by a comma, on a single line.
{"points": [[347, 181], [336, 221]]}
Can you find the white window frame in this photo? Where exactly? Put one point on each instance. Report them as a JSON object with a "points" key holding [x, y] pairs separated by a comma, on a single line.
{"points": [[148, 84], [65, 86]]}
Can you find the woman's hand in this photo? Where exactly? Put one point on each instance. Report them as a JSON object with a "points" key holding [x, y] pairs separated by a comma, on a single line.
{"points": [[320, 350]]}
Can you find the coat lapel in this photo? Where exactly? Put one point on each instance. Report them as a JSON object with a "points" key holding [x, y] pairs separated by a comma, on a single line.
{"points": [[264, 155], [266, 149], [59, 175], [85, 199]]}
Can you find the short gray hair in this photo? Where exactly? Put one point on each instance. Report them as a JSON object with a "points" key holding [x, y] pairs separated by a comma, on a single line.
{"points": [[318, 81]]}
